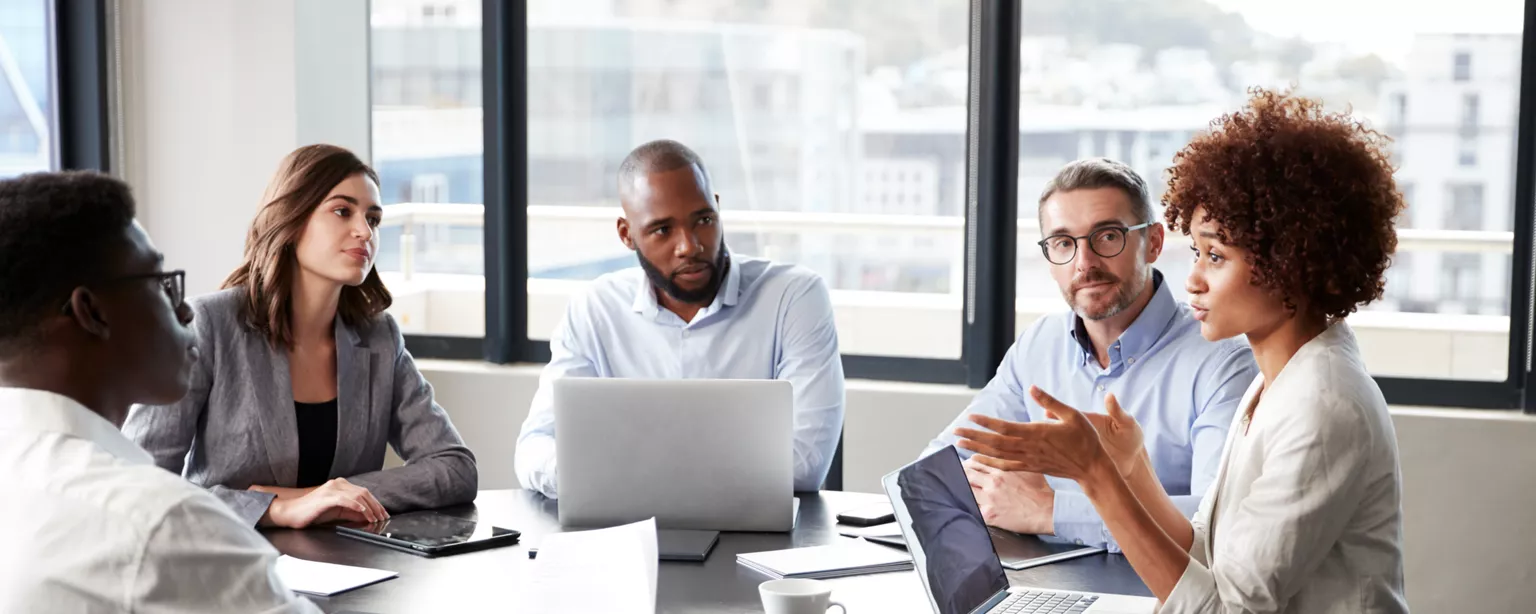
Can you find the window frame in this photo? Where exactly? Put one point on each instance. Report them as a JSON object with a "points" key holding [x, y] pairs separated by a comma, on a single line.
{"points": [[81, 74], [988, 330], [990, 241]]}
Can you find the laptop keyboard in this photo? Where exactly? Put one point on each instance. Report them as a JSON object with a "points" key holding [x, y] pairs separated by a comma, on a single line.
{"points": [[1045, 602]]}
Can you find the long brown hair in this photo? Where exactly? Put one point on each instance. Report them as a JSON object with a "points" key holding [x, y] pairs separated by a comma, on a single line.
{"points": [[303, 180]]}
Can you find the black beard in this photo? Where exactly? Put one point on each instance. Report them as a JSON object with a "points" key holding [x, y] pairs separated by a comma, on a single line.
{"points": [[662, 281]]}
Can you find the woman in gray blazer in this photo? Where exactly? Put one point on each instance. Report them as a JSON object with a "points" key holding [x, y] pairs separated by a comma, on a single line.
{"points": [[302, 377]]}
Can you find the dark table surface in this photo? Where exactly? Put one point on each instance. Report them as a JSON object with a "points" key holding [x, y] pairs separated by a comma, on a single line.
{"points": [[483, 581]]}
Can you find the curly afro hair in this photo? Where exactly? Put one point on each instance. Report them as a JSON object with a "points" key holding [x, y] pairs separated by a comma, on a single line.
{"points": [[1309, 194]]}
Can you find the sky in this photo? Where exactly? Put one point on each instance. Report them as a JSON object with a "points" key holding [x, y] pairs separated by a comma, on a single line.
{"points": [[1392, 22]]}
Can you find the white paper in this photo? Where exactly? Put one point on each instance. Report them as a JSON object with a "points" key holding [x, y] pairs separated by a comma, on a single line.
{"points": [[607, 570], [842, 558], [325, 579], [889, 529]]}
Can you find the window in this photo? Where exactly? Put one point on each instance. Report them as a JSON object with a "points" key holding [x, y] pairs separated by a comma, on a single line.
{"points": [[838, 136], [834, 137], [1092, 86], [1462, 282], [429, 188], [1466, 207], [427, 141], [28, 117]]}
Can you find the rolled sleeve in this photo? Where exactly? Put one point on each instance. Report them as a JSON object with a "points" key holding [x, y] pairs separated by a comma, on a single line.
{"points": [[1187, 594], [534, 459], [1076, 520], [809, 360], [1193, 593]]}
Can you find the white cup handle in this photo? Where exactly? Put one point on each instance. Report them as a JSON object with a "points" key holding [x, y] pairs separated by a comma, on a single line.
{"points": [[840, 607]]}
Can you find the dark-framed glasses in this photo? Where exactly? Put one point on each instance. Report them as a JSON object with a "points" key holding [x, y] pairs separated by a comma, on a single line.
{"points": [[173, 283], [1107, 242]]}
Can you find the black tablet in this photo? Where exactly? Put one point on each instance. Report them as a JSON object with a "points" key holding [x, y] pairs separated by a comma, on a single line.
{"points": [[429, 533]]}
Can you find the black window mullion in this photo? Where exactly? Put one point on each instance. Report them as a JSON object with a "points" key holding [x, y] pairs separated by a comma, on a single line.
{"points": [[991, 221], [1522, 318], [505, 73], [81, 78]]}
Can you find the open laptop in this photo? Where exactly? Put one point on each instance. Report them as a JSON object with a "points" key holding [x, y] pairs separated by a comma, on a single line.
{"points": [[694, 454], [1014, 551], [952, 549]]}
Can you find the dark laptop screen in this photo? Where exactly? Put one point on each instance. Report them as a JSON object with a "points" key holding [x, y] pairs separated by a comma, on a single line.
{"points": [[950, 545]]}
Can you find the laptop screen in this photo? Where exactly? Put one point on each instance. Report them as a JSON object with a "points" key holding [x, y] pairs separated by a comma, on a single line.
{"points": [[950, 545]]}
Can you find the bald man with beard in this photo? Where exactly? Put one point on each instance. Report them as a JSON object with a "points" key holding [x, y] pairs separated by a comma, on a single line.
{"points": [[692, 310]]}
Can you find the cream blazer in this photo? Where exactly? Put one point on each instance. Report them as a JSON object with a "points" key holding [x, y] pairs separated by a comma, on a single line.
{"points": [[1305, 514]]}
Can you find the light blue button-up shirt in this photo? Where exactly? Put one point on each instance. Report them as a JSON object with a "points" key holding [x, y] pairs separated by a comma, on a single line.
{"points": [[1182, 389], [768, 321]]}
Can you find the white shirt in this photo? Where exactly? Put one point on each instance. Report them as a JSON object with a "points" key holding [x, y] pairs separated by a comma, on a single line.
{"points": [[768, 321], [1306, 514], [92, 525]]}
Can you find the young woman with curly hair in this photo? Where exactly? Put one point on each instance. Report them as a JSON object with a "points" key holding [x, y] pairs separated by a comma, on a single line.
{"points": [[1291, 210]]}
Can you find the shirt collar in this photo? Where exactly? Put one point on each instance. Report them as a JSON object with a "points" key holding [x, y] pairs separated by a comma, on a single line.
{"points": [[645, 296], [730, 291], [38, 412], [729, 295], [1143, 332]]}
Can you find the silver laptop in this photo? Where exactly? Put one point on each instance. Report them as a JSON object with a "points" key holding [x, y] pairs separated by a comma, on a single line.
{"points": [[952, 549], [694, 454]]}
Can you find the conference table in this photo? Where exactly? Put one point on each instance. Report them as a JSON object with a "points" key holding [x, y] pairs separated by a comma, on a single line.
{"points": [[484, 581]]}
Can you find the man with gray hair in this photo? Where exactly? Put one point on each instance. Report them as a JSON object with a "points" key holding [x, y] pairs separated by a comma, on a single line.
{"points": [[1125, 337]]}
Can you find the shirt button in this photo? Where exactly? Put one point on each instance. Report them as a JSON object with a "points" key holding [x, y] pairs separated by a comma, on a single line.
{"points": [[1101, 387], [1079, 542], [685, 333], [1131, 360]]}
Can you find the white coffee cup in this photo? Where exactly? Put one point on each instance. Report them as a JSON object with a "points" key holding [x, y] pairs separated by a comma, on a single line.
{"points": [[795, 596]]}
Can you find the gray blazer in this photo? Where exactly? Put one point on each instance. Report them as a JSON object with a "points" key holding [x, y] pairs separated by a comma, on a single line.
{"points": [[236, 426]]}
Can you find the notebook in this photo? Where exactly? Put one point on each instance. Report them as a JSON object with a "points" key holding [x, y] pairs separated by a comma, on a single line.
{"points": [[846, 558]]}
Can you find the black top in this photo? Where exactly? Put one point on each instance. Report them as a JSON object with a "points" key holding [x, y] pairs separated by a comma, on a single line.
{"points": [[317, 441]]}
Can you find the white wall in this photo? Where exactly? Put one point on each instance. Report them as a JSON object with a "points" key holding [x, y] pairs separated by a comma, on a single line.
{"points": [[1469, 476], [214, 95]]}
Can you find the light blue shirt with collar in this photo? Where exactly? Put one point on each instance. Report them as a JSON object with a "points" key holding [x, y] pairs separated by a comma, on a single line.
{"points": [[768, 321], [1182, 389]]}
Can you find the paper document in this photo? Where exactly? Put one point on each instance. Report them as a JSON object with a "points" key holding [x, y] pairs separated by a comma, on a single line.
{"points": [[607, 570], [326, 579], [843, 558], [888, 529]]}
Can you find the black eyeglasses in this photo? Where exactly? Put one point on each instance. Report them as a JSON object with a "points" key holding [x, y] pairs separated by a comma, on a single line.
{"points": [[173, 283], [1107, 242]]}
